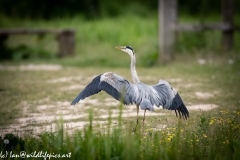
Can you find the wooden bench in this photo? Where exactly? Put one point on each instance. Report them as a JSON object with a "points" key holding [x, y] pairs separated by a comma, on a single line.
{"points": [[65, 38]]}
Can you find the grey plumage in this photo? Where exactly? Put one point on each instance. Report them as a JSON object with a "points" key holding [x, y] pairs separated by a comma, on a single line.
{"points": [[161, 94]]}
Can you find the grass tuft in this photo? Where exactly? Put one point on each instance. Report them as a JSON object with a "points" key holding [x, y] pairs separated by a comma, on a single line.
{"points": [[216, 137]]}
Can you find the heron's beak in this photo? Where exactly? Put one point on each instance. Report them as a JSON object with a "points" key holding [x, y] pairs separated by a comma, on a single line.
{"points": [[120, 47]]}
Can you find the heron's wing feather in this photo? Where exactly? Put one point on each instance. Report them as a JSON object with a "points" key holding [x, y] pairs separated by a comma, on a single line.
{"points": [[90, 89], [113, 84], [118, 87], [168, 98]]}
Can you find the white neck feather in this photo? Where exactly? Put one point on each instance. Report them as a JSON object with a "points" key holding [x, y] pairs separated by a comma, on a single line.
{"points": [[133, 69]]}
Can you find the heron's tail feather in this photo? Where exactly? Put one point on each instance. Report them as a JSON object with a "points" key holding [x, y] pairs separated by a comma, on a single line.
{"points": [[146, 105], [179, 107]]}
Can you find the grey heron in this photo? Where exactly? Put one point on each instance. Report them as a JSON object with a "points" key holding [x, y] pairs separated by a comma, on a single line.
{"points": [[145, 96]]}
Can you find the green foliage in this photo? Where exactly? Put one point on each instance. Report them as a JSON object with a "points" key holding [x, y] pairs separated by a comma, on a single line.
{"points": [[23, 52], [220, 140], [149, 60], [112, 23], [5, 53], [203, 123], [95, 40], [91, 9], [11, 142]]}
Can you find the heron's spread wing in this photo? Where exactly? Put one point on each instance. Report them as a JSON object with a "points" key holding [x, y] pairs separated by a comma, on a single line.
{"points": [[169, 98], [91, 89], [160, 94], [113, 84]]}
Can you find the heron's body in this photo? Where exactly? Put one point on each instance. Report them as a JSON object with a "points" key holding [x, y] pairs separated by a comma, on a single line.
{"points": [[161, 94]]}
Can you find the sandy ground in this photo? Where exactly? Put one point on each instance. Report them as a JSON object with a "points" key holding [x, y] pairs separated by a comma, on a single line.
{"points": [[31, 67], [46, 113]]}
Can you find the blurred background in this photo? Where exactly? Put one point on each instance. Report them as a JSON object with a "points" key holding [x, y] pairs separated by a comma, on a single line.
{"points": [[51, 49], [102, 25]]}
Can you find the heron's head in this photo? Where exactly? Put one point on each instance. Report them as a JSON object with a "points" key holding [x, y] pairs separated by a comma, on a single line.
{"points": [[127, 49]]}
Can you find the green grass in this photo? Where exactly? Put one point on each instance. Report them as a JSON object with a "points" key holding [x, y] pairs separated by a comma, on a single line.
{"points": [[25, 88], [200, 138], [206, 135], [95, 40]]}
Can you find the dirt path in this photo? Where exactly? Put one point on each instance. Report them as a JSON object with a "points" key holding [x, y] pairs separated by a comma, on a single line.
{"points": [[47, 112]]}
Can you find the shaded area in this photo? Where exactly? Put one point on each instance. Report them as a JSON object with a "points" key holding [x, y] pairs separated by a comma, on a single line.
{"points": [[96, 8]]}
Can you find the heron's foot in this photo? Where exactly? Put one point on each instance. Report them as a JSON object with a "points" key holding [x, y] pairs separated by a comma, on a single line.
{"points": [[143, 121], [135, 128], [143, 127]]}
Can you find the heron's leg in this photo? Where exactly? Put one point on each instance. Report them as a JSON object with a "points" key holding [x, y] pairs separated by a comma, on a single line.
{"points": [[134, 129], [143, 121]]}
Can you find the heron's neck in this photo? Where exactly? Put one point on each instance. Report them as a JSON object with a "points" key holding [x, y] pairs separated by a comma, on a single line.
{"points": [[133, 69]]}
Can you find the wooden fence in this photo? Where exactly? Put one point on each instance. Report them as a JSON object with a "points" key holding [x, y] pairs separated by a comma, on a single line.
{"points": [[168, 26]]}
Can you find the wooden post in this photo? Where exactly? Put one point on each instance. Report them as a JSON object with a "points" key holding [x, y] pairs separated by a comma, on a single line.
{"points": [[227, 17], [167, 14], [66, 42]]}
